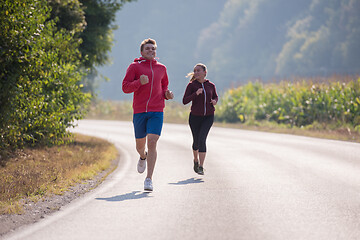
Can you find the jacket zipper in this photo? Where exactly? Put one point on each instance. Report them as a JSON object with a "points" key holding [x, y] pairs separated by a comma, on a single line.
{"points": [[202, 84], [152, 83]]}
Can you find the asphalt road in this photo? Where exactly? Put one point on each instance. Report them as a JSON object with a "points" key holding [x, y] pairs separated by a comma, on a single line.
{"points": [[256, 186]]}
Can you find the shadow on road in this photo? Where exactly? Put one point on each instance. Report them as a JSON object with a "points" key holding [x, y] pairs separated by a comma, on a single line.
{"points": [[128, 196], [188, 181]]}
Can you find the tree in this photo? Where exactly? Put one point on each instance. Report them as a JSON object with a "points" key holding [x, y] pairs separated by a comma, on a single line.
{"points": [[45, 47], [98, 36], [39, 76], [95, 19]]}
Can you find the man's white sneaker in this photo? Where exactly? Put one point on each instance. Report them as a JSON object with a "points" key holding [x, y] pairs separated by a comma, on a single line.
{"points": [[141, 166], [148, 185]]}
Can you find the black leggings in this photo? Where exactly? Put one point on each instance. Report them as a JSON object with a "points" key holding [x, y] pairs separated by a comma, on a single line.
{"points": [[200, 127]]}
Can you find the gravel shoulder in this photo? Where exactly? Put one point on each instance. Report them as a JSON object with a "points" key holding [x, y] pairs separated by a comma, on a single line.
{"points": [[34, 211]]}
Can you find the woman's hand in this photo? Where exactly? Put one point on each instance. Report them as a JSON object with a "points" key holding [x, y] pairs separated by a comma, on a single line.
{"points": [[199, 91], [213, 102]]}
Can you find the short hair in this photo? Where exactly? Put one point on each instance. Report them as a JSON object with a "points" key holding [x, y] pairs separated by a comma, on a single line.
{"points": [[146, 41]]}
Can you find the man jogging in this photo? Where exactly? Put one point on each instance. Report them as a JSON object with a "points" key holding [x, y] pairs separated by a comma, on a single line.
{"points": [[148, 80]]}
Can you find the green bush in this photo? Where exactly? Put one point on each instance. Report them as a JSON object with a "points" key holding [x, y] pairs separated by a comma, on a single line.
{"points": [[40, 96], [297, 104]]}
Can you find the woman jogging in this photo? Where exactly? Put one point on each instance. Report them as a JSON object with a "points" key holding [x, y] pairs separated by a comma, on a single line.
{"points": [[202, 93]]}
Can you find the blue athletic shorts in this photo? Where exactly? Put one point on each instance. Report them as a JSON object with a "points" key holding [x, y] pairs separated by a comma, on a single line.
{"points": [[148, 122]]}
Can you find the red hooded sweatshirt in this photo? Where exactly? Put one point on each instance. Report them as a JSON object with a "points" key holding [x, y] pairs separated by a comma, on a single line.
{"points": [[151, 96]]}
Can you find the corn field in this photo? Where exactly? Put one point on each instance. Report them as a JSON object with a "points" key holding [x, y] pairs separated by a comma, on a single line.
{"points": [[298, 103]]}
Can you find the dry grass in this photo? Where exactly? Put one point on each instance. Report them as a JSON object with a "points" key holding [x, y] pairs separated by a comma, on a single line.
{"points": [[175, 112], [35, 172], [111, 110]]}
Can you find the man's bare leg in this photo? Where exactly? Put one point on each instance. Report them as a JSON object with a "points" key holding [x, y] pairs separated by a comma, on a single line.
{"points": [[140, 147], [152, 153]]}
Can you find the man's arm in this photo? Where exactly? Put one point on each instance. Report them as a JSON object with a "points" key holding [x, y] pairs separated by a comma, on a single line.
{"points": [[130, 84], [164, 84]]}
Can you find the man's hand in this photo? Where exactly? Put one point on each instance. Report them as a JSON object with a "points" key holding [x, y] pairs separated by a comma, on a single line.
{"points": [[169, 94], [144, 79]]}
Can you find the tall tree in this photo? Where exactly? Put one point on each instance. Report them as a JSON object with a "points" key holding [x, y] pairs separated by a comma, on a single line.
{"points": [[93, 20], [40, 96], [325, 41], [98, 36]]}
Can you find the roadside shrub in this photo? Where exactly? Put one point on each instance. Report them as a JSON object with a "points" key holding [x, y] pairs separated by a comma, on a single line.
{"points": [[299, 103], [40, 95]]}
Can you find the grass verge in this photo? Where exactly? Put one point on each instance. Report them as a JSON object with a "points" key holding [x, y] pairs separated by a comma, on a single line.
{"points": [[315, 130], [32, 173]]}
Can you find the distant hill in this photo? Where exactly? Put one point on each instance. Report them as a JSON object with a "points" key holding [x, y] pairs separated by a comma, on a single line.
{"points": [[238, 40]]}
